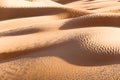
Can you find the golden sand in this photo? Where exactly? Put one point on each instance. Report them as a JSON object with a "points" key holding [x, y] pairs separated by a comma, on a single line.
{"points": [[59, 40]]}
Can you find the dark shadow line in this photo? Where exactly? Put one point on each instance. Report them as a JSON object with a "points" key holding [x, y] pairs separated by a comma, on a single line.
{"points": [[21, 31]]}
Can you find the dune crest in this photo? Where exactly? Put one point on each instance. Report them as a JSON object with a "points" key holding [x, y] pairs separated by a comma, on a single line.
{"points": [[59, 40]]}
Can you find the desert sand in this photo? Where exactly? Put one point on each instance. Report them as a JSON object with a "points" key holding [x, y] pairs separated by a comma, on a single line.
{"points": [[59, 40]]}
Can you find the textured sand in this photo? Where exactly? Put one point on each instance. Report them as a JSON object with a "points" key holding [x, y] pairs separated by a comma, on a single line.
{"points": [[59, 40]]}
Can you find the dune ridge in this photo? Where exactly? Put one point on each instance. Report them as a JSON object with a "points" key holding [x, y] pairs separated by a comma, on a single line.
{"points": [[59, 40]]}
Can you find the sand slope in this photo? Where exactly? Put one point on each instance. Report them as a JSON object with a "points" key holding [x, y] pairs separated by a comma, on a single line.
{"points": [[59, 40]]}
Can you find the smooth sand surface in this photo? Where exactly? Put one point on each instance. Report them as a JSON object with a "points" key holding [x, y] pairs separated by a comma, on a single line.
{"points": [[59, 40]]}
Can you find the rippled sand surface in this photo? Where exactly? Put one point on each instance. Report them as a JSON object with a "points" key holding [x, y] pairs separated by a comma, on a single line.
{"points": [[59, 40]]}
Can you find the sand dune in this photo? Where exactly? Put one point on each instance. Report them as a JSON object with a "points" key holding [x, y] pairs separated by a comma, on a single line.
{"points": [[59, 40]]}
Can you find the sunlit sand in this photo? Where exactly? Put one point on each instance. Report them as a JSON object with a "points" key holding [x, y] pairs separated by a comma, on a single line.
{"points": [[59, 40]]}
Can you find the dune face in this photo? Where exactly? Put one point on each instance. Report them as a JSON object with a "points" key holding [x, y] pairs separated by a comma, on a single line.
{"points": [[59, 40]]}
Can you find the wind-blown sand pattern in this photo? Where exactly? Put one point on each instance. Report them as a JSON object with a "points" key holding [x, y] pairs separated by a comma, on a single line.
{"points": [[59, 40]]}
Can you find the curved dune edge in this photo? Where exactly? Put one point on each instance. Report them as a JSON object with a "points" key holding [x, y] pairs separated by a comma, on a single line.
{"points": [[59, 40]]}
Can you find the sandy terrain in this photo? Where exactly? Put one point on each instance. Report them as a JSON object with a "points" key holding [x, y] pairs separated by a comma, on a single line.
{"points": [[59, 40]]}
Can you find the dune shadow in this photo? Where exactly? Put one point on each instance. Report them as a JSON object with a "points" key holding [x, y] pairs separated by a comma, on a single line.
{"points": [[75, 57], [12, 13], [91, 21], [20, 31], [64, 1]]}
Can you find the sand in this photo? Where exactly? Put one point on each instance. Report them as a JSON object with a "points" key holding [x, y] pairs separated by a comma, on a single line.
{"points": [[59, 40]]}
